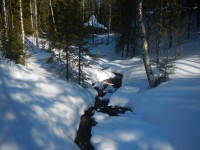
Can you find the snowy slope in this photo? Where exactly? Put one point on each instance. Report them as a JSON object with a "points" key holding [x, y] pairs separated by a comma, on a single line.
{"points": [[164, 118], [37, 110]]}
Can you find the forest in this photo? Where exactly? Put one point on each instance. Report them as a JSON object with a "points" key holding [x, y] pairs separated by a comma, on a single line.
{"points": [[100, 74]]}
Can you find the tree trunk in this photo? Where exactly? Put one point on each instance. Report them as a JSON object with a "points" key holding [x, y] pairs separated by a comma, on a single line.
{"points": [[5, 38], [11, 15], [129, 28], [83, 9], [109, 22], [93, 31], [66, 42], [22, 23], [52, 14], [189, 21], [36, 24], [159, 33], [170, 36], [135, 31], [22, 57], [5, 15], [198, 14], [31, 11], [145, 54], [98, 12], [79, 65]]}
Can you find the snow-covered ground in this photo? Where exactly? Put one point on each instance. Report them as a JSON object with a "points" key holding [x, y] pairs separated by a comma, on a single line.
{"points": [[164, 118], [37, 110]]}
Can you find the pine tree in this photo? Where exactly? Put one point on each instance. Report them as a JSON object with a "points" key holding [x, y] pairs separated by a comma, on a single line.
{"points": [[12, 38]]}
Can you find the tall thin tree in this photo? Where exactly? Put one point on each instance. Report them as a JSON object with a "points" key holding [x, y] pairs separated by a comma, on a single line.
{"points": [[22, 24], [5, 15], [52, 14], [36, 24], [31, 14], [145, 55]]}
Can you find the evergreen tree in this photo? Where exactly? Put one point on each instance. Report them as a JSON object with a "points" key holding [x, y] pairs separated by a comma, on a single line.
{"points": [[12, 37]]}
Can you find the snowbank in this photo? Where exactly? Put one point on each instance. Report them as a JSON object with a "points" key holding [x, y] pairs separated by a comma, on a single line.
{"points": [[164, 118], [38, 111]]}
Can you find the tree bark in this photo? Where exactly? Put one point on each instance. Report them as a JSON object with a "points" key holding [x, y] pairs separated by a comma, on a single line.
{"points": [[5, 15], [145, 54], [159, 33], [66, 42], [22, 57], [109, 22], [31, 11], [170, 36], [79, 65], [198, 14], [11, 15], [83, 9], [22, 24], [52, 14], [36, 24], [5, 30], [189, 17]]}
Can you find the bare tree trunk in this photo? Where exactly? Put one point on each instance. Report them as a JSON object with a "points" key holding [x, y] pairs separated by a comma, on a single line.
{"points": [[148, 30], [145, 54], [98, 12], [79, 65], [159, 33], [109, 22], [198, 14], [52, 13], [22, 32], [5, 15], [93, 31], [127, 47], [83, 9], [31, 11], [66, 43], [22, 23], [5, 29], [36, 24], [11, 15], [189, 20], [135, 30], [170, 36]]}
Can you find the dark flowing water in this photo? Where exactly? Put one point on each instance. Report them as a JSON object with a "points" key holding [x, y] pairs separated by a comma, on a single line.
{"points": [[87, 122]]}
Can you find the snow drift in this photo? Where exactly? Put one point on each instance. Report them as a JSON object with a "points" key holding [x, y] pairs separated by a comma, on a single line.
{"points": [[38, 111]]}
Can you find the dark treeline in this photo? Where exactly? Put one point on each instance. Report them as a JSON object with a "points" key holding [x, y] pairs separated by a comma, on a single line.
{"points": [[60, 23]]}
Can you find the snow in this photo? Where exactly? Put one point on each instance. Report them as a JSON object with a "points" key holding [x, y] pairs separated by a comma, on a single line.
{"points": [[166, 117], [109, 89], [40, 111], [128, 132], [93, 22], [37, 110], [98, 116]]}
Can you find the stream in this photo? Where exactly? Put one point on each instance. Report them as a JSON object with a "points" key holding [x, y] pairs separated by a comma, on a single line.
{"points": [[87, 122]]}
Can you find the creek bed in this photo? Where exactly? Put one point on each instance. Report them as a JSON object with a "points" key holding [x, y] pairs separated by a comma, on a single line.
{"points": [[87, 122]]}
